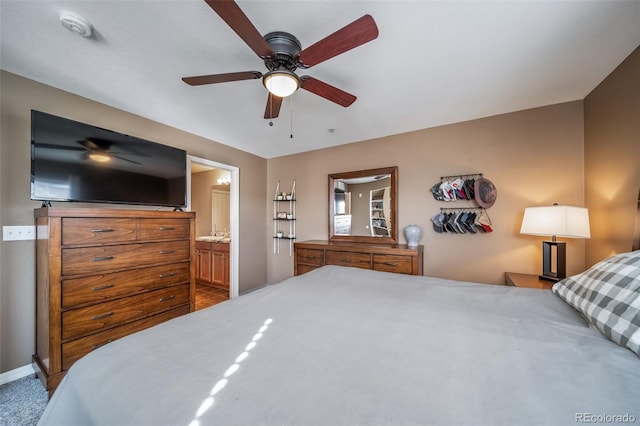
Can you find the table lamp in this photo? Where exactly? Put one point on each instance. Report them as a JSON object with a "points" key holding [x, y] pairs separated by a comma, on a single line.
{"points": [[556, 221]]}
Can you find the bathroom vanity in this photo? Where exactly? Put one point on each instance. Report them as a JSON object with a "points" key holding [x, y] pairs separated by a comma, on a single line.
{"points": [[212, 263]]}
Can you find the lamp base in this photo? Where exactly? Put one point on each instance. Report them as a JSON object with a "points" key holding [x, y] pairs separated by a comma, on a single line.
{"points": [[554, 253]]}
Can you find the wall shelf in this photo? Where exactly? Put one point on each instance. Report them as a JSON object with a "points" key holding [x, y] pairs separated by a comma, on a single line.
{"points": [[284, 218]]}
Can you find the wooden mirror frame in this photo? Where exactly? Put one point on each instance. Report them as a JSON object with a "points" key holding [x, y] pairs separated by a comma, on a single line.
{"points": [[393, 238]]}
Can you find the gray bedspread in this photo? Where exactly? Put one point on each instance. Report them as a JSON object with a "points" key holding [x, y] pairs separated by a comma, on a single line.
{"points": [[344, 346]]}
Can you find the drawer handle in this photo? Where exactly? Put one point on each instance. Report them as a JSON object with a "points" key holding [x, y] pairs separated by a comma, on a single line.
{"points": [[94, 347], [167, 228], [102, 287], [167, 298], [171, 274], [167, 251], [310, 256], [100, 259], [390, 263], [97, 317], [96, 231], [346, 260]]}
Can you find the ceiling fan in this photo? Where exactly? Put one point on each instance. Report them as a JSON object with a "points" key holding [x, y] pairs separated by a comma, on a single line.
{"points": [[99, 150], [282, 54]]}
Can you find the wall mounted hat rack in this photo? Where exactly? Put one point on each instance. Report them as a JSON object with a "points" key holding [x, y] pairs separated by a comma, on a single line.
{"points": [[465, 176], [462, 220], [456, 187], [470, 187], [459, 209]]}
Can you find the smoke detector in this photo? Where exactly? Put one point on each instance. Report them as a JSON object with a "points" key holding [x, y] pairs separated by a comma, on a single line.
{"points": [[76, 23]]}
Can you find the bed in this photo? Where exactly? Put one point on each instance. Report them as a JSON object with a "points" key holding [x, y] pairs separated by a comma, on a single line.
{"points": [[345, 346]]}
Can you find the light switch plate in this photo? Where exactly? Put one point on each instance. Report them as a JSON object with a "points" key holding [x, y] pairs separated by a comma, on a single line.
{"points": [[16, 233]]}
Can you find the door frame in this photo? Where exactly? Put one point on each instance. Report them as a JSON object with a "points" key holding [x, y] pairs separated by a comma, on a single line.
{"points": [[234, 202]]}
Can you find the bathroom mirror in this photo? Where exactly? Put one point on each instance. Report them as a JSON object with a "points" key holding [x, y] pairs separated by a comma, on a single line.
{"points": [[363, 206]]}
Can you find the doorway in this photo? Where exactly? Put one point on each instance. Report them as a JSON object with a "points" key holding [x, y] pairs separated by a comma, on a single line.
{"points": [[197, 164]]}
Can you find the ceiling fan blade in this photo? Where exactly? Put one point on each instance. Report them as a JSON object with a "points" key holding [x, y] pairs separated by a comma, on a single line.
{"points": [[221, 78], [357, 33], [58, 147], [114, 153], [272, 110], [92, 144], [327, 91], [235, 18], [125, 159]]}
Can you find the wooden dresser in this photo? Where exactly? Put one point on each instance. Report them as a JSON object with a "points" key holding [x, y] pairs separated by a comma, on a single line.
{"points": [[102, 274], [398, 258]]}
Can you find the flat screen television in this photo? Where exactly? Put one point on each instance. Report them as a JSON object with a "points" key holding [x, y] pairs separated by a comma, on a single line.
{"points": [[73, 161]]}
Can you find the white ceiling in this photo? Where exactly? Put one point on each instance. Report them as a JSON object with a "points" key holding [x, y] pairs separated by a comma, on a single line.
{"points": [[434, 62]]}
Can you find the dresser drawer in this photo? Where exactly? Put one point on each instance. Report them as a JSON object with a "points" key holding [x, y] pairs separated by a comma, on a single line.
{"points": [[79, 322], [347, 258], [99, 288], [164, 229], [342, 224], [106, 258], [203, 245], [310, 256], [393, 263], [302, 269], [74, 350], [98, 230]]}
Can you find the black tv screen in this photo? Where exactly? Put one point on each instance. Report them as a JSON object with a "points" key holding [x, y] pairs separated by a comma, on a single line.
{"points": [[73, 161]]}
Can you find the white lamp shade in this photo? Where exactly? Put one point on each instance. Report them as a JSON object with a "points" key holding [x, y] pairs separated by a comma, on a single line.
{"points": [[560, 221], [281, 83]]}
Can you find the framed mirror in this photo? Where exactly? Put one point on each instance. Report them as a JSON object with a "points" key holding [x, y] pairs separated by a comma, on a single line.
{"points": [[363, 206]]}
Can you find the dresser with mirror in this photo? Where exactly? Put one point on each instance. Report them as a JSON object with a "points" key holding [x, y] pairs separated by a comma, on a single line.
{"points": [[363, 227]]}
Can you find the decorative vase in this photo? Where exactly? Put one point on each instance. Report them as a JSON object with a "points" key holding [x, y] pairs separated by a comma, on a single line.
{"points": [[413, 234]]}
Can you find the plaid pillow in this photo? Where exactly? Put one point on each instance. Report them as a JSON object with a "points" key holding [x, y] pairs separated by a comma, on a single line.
{"points": [[608, 296]]}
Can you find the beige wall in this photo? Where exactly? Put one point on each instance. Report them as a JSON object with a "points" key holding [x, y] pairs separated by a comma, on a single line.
{"points": [[17, 97], [534, 157], [612, 159]]}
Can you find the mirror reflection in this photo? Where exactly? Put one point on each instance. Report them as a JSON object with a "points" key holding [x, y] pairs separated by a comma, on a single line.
{"points": [[362, 205]]}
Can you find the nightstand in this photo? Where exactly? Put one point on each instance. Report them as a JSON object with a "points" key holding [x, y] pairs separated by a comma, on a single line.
{"points": [[527, 280]]}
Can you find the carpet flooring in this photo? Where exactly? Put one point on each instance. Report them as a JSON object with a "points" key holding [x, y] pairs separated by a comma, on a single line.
{"points": [[22, 401]]}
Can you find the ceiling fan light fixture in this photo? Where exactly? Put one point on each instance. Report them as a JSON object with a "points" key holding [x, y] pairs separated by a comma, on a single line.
{"points": [[100, 156], [281, 83]]}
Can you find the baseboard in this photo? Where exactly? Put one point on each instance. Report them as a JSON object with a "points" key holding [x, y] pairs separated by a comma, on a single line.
{"points": [[16, 374]]}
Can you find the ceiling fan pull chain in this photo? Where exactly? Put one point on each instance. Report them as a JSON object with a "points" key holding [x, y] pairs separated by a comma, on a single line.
{"points": [[291, 121]]}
